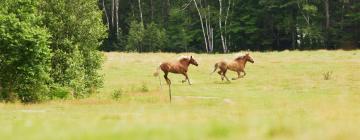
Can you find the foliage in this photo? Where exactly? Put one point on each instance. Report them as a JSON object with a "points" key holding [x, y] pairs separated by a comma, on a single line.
{"points": [[49, 45], [24, 52], [147, 39], [178, 34], [59, 92], [117, 94], [136, 36], [154, 38], [251, 24], [77, 31]]}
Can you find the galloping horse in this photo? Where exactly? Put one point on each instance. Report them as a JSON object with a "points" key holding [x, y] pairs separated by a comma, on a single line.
{"points": [[179, 67], [237, 65]]}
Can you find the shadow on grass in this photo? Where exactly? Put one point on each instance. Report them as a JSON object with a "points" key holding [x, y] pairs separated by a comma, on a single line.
{"points": [[222, 82]]}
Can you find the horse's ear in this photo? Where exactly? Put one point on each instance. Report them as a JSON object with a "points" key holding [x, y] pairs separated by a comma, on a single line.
{"points": [[247, 54], [191, 57]]}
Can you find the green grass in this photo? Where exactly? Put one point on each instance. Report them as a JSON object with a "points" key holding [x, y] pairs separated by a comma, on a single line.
{"points": [[283, 96]]}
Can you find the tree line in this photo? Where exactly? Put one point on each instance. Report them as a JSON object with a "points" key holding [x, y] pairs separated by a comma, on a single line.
{"points": [[230, 25]]}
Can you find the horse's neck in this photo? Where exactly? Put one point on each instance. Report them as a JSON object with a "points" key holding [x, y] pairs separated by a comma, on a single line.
{"points": [[242, 62], [185, 64]]}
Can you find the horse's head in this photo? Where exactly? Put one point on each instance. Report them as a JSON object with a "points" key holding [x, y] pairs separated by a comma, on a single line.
{"points": [[248, 58], [193, 61]]}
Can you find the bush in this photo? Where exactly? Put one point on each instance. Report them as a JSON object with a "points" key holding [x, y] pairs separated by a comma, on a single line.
{"points": [[24, 52], [144, 88], [59, 92], [43, 43], [117, 94], [76, 37]]}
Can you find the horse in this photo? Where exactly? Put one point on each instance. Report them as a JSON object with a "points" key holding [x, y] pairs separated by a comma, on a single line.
{"points": [[179, 67], [237, 65]]}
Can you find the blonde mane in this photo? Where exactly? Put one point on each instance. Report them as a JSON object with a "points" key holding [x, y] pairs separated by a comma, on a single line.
{"points": [[239, 56], [182, 58]]}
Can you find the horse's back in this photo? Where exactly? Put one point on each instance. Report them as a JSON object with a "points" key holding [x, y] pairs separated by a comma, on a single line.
{"points": [[172, 67], [165, 66]]}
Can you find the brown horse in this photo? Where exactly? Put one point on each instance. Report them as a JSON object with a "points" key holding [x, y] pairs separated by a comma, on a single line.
{"points": [[237, 65], [178, 67]]}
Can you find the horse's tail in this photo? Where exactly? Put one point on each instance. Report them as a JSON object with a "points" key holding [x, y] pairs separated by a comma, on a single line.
{"points": [[216, 66], [156, 73]]}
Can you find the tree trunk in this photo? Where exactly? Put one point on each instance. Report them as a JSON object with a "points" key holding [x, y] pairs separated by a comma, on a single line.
{"points": [[228, 37], [112, 13], [212, 39], [327, 14], [106, 15], [140, 10], [168, 7], [293, 30], [342, 15], [327, 26], [202, 26], [220, 27], [117, 16], [208, 29], [152, 10]]}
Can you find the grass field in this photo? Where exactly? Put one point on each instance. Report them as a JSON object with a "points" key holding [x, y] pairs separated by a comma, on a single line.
{"points": [[283, 96]]}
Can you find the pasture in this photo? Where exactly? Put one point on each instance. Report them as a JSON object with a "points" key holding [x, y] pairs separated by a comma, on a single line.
{"points": [[285, 95]]}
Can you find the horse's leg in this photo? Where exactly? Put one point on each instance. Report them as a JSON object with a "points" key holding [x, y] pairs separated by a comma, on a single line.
{"points": [[238, 72], [221, 75], [187, 78], [244, 73], [166, 78], [183, 81], [224, 73]]}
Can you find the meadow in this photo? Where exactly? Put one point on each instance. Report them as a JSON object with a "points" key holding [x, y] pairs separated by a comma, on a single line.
{"points": [[285, 95]]}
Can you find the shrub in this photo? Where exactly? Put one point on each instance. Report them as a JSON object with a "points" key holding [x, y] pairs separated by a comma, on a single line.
{"points": [[76, 38], [59, 92], [24, 52], [117, 94], [144, 88]]}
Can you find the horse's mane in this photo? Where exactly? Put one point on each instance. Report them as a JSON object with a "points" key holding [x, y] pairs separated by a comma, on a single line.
{"points": [[239, 56], [183, 58]]}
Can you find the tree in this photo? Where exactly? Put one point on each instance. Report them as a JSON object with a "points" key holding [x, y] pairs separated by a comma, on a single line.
{"points": [[24, 52], [178, 34], [154, 38], [77, 32], [136, 36]]}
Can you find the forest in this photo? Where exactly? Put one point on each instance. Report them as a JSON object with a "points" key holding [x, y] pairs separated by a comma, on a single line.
{"points": [[52, 48], [230, 25]]}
